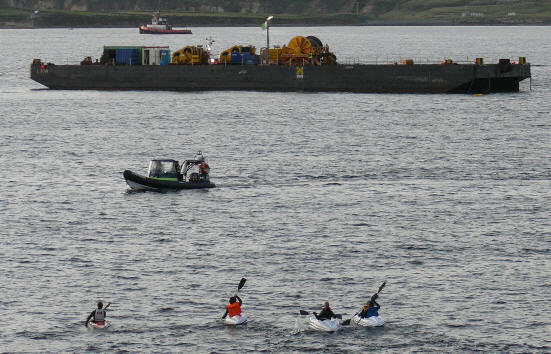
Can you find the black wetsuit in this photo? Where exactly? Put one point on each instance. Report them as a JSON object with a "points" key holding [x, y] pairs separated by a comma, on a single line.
{"points": [[325, 314]]}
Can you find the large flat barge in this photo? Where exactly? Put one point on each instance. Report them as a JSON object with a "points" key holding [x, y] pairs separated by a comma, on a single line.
{"points": [[304, 65], [416, 78]]}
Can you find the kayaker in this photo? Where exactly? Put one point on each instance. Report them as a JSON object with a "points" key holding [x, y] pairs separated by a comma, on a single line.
{"points": [[98, 315], [371, 308], [234, 308], [326, 313]]}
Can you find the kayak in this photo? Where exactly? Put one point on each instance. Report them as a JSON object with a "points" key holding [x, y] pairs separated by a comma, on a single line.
{"points": [[331, 325], [236, 320], [99, 325], [373, 321]]}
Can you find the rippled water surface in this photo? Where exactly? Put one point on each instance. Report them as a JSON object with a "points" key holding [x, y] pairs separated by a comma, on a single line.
{"points": [[320, 197]]}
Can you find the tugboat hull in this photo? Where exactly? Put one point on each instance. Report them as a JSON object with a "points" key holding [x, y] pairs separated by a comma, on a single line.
{"points": [[146, 30]]}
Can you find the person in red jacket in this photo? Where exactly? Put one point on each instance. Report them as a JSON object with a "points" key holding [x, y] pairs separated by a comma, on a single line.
{"points": [[204, 170], [234, 308], [204, 167]]}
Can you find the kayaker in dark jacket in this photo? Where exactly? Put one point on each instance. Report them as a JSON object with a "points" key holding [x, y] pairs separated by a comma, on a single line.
{"points": [[98, 315], [371, 308], [326, 313]]}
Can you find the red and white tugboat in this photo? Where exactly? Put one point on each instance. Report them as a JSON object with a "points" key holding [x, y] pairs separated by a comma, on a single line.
{"points": [[159, 25]]}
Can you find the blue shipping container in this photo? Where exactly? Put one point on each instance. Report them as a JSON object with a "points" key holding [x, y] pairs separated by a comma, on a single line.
{"points": [[165, 56], [236, 58], [243, 58], [251, 60], [127, 56]]}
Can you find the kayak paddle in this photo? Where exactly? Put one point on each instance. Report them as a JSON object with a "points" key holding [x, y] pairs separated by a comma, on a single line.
{"points": [[381, 287], [241, 284]]}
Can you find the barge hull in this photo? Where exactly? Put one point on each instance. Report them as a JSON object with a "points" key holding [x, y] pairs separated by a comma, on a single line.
{"points": [[417, 78]]}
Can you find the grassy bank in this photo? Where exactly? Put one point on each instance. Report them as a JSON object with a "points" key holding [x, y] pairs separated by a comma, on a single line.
{"points": [[482, 15], [177, 19], [473, 12]]}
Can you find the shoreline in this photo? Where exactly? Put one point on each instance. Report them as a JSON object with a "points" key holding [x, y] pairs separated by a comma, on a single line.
{"points": [[404, 24]]}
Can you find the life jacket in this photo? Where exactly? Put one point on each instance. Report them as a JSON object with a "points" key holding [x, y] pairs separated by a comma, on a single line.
{"points": [[204, 168], [372, 311], [363, 312], [99, 315], [234, 309]]}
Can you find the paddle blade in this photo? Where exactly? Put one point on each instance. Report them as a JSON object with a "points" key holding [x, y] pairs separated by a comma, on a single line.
{"points": [[345, 322], [241, 284], [304, 313], [381, 287]]}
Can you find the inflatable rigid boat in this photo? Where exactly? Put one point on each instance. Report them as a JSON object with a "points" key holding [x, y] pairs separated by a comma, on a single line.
{"points": [[167, 174]]}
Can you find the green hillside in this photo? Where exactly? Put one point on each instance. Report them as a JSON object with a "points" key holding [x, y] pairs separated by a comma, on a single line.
{"points": [[129, 13]]}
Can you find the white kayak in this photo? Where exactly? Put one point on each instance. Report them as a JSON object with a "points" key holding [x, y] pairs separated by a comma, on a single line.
{"points": [[331, 325], [236, 320], [373, 321], [99, 325]]}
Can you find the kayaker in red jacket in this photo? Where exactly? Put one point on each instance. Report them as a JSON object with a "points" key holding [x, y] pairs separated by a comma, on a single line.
{"points": [[234, 308]]}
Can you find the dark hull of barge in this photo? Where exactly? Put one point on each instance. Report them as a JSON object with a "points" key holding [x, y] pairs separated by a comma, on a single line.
{"points": [[416, 78]]}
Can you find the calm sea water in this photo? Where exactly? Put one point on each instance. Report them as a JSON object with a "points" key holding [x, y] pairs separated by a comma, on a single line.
{"points": [[320, 197]]}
